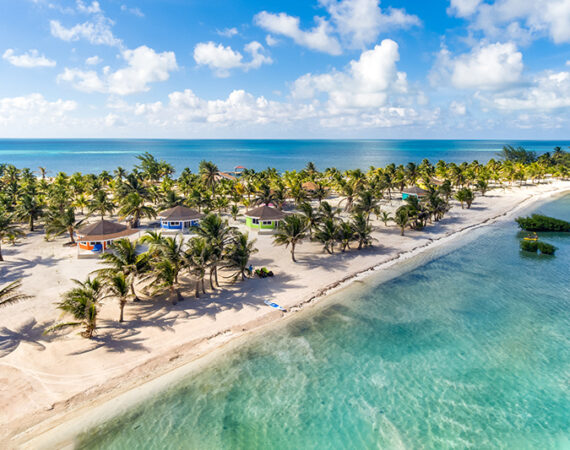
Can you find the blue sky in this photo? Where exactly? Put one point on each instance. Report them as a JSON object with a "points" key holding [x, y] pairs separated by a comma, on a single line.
{"points": [[296, 69]]}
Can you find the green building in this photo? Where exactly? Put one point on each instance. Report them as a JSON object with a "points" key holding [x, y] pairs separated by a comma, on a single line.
{"points": [[263, 218]]}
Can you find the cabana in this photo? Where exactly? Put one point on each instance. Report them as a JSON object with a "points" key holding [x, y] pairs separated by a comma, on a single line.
{"points": [[97, 237], [413, 191], [263, 218], [179, 218]]}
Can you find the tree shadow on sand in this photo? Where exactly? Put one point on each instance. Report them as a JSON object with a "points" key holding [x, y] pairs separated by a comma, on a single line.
{"points": [[31, 332], [12, 269], [114, 340]]}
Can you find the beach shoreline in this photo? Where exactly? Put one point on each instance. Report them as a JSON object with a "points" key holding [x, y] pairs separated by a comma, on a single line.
{"points": [[60, 424]]}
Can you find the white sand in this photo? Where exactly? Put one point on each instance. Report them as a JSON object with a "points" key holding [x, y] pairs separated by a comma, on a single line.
{"points": [[45, 379]]}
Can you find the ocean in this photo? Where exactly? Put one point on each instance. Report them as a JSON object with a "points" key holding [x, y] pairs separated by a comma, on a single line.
{"points": [[470, 349], [95, 155]]}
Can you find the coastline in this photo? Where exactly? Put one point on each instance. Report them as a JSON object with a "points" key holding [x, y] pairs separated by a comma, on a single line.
{"points": [[40, 429]]}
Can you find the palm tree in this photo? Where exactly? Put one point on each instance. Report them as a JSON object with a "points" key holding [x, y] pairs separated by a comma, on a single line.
{"points": [[327, 211], [7, 229], [101, 204], [265, 195], [238, 254], [366, 203], [345, 234], [362, 230], [43, 172], [465, 195], [81, 302], [58, 224], [133, 206], [327, 234], [209, 173], [311, 216], [9, 293], [291, 232], [127, 259], [165, 277], [402, 218], [29, 208], [118, 286], [385, 218], [217, 233], [197, 258]]}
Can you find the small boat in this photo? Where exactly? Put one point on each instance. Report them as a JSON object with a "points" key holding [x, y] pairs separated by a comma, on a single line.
{"points": [[274, 305], [531, 237]]}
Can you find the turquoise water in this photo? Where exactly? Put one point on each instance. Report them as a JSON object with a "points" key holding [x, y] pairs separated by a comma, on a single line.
{"points": [[470, 350], [94, 155]]}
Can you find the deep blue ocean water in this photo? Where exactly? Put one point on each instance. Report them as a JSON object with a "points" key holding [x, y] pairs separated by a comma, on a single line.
{"points": [[92, 155], [470, 350]]}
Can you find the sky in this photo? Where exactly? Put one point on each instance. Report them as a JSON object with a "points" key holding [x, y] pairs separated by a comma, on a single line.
{"points": [[390, 69]]}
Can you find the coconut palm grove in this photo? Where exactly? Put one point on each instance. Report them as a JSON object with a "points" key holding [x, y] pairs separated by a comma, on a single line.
{"points": [[338, 209]]}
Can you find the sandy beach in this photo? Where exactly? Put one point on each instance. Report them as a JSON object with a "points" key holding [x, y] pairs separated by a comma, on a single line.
{"points": [[47, 378]]}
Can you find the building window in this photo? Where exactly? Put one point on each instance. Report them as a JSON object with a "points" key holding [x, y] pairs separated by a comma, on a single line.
{"points": [[267, 222], [174, 224], [255, 221]]}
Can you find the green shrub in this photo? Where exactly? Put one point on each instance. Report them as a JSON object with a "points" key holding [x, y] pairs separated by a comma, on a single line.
{"points": [[529, 246], [546, 249], [538, 222]]}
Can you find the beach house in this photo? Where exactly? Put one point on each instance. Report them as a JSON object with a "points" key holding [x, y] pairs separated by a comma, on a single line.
{"points": [[263, 218], [413, 191], [179, 218], [98, 237]]}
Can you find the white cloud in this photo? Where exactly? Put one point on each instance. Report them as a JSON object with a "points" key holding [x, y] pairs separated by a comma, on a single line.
{"points": [[521, 20], [271, 41], [113, 120], [93, 8], [463, 8], [361, 21], [486, 67], [228, 32], [93, 60], [28, 60], [97, 30], [222, 59], [134, 11], [458, 108], [547, 92], [318, 38], [367, 82], [33, 109], [144, 66]]}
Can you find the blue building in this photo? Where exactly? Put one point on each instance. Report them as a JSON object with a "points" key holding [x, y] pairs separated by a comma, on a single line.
{"points": [[179, 218]]}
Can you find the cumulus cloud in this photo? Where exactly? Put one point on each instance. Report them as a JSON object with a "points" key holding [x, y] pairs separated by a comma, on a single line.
{"points": [[357, 22], [486, 67], [134, 11], [96, 30], [228, 32], [317, 38], [222, 59], [367, 82], [29, 59], [93, 60], [547, 92], [144, 66], [33, 109], [360, 22], [520, 20], [458, 108]]}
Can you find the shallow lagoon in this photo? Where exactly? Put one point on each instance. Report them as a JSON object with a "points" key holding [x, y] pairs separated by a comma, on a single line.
{"points": [[471, 349]]}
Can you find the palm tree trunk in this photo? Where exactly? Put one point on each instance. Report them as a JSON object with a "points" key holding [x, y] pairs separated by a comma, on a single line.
{"points": [[179, 295], [293, 252], [31, 223], [197, 292], [216, 276], [70, 231], [135, 297], [1, 258], [203, 285], [123, 303], [212, 278], [173, 295]]}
